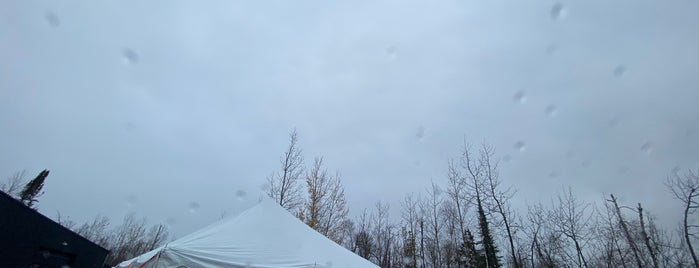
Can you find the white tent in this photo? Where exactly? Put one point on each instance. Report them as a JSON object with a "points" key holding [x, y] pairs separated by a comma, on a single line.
{"points": [[265, 235]]}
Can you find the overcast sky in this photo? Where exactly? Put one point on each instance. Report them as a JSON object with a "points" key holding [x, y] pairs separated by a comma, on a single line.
{"points": [[174, 109]]}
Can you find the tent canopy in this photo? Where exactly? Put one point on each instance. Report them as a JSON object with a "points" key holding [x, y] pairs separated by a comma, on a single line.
{"points": [[265, 235]]}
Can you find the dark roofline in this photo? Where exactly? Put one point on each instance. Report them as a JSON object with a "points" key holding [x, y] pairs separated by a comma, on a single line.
{"points": [[19, 203]]}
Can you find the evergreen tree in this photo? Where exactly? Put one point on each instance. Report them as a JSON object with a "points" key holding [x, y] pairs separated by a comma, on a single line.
{"points": [[489, 248], [468, 255], [33, 189]]}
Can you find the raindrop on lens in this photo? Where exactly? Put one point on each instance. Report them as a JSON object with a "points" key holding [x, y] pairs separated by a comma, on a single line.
{"points": [[193, 207], [520, 97], [676, 169], [240, 194], [551, 110], [520, 146], [619, 71], [647, 148], [420, 132], [52, 19], [558, 11], [130, 56]]}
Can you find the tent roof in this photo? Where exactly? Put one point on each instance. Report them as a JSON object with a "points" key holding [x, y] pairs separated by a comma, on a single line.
{"points": [[265, 235]]}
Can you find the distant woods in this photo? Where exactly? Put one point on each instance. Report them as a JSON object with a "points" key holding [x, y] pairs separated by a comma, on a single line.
{"points": [[470, 222]]}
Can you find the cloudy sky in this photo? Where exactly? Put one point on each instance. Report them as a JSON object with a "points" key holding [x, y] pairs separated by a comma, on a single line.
{"points": [[179, 110]]}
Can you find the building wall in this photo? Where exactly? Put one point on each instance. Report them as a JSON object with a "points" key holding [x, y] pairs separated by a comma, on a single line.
{"points": [[30, 239]]}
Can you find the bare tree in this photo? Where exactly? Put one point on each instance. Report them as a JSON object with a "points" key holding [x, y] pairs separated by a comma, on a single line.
{"points": [[410, 217], [686, 190], [13, 185], [646, 238], [326, 207], [571, 218], [499, 196], [284, 186], [364, 244], [432, 206], [96, 231], [383, 233]]}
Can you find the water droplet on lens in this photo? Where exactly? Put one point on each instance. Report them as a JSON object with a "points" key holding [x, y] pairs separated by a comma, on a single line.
{"points": [[131, 200], [647, 148], [65, 266], [551, 110], [507, 158], [558, 11], [417, 163], [130, 56], [586, 163], [676, 169], [392, 52], [619, 71], [329, 264], [520, 146], [52, 19], [46, 254], [240, 194], [193, 207], [551, 48], [553, 174], [520, 97], [171, 221], [65, 244], [420, 133]]}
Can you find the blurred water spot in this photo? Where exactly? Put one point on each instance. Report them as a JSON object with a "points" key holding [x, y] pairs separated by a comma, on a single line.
{"points": [[46, 254], [676, 170], [506, 158], [420, 133], [586, 163], [65, 244], [129, 126], [647, 148], [614, 122], [130, 56], [570, 154], [52, 19], [619, 70], [551, 110], [240, 194], [622, 169], [329, 264], [131, 200], [170, 221], [193, 207], [558, 11], [392, 52], [553, 174], [65, 266], [417, 163], [551, 48], [520, 146], [520, 96]]}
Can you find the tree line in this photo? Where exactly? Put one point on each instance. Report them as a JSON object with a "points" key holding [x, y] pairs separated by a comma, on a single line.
{"points": [[470, 220], [127, 240], [467, 222]]}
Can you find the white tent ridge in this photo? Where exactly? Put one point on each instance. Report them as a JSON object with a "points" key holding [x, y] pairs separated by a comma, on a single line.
{"points": [[263, 236]]}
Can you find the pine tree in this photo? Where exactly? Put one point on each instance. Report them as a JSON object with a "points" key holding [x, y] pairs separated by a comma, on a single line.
{"points": [[489, 248], [33, 189], [468, 255]]}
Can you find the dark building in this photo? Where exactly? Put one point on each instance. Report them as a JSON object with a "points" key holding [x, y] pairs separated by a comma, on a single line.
{"points": [[30, 239]]}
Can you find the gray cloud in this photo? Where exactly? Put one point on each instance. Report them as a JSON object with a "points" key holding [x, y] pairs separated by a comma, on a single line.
{"points": [[204, 109]]}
